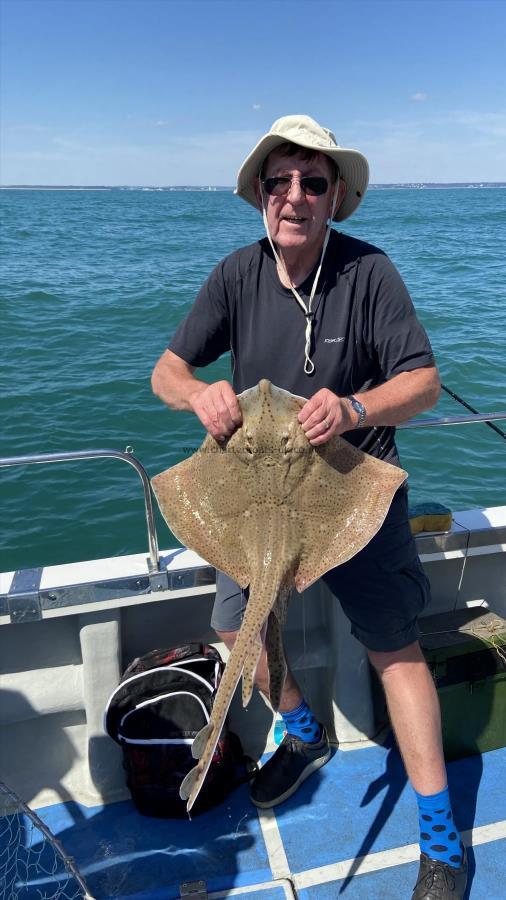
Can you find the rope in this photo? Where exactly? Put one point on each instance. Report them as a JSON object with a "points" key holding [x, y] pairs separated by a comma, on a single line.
{"points": [[308, 363], [493, 629], [492, 639]]}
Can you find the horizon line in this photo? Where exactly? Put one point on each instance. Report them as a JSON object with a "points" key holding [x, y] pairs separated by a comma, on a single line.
{"points": [[211, 187]]}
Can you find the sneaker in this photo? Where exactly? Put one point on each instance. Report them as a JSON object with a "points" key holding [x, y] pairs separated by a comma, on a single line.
{"points": [[288, 767], [439, 881]]}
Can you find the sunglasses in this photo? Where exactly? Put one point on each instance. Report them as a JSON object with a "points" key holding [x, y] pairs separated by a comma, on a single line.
{"points": [[313, 185]]}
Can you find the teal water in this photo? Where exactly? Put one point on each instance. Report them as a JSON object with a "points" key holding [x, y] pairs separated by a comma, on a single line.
{"points": [[96, 282]]}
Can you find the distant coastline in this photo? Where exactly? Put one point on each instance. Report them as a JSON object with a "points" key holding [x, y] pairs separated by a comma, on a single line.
{"points": [[419, 185]]}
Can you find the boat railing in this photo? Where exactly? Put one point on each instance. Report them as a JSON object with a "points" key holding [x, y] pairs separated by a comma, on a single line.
{"points": [[456, 420], [25, 601], [107, 452]]}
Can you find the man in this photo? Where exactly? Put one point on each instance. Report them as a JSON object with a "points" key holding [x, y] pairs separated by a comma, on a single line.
{"points": [[328, 317]]}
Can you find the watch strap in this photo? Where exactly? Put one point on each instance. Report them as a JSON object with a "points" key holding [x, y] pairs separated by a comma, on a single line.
{"points": [[359, 408]]}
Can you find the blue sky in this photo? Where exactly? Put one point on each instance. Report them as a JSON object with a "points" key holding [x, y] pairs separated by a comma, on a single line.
{"points": [[168, 92]]}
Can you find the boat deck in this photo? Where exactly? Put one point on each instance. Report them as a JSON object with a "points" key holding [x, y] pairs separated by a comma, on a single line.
{"points": [[350, 830]]}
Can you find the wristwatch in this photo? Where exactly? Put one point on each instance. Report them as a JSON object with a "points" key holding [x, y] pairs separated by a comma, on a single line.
{"points": [[359, 408]]}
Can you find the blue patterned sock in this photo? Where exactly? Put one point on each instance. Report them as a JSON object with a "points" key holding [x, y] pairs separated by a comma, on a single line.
{"points": [[302, 724], [439, 837]]}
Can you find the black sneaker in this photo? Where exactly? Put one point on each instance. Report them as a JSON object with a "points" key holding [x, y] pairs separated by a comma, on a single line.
{"points": [[439, 881], [288, 767]]}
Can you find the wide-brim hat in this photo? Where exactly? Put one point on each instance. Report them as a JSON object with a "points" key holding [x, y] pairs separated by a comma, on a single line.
{"points": [[304, 131]]}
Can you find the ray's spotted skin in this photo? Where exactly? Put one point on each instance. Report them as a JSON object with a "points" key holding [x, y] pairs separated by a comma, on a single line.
{"points": [[273, 513]]}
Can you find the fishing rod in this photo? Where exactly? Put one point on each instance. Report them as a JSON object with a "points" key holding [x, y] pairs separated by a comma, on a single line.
{"points": [[473, 410]]}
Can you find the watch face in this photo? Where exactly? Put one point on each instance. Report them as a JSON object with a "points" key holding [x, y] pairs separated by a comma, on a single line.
{"points": [[359, 408]]}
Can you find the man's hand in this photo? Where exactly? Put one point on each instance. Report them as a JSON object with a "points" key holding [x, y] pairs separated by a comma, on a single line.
{"points": [[218, 409], [396, 400], [325, 415], [216, 405]]}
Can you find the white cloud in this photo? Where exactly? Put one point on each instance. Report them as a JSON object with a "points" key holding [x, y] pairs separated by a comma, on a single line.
{"points": [[455, 145], [161, 123], [257, 106], [207, 158], [419, 97], [491, 124]]}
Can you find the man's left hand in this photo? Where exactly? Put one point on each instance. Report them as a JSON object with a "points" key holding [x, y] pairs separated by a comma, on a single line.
{"points": [[326, 415]]}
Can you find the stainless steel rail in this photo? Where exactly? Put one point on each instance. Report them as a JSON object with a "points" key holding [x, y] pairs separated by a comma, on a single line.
{"points": [[472, 409], [453, 420], [126, 456]]}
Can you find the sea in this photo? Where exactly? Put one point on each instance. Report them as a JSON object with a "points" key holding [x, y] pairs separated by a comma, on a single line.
{"points": [[93, 285]]}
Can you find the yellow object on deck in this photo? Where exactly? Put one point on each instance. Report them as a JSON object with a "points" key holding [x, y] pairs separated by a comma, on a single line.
{"points": [[429, 517]]}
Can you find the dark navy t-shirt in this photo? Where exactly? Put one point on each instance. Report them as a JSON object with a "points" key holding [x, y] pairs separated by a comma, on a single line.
{"points": [[365, 328]]}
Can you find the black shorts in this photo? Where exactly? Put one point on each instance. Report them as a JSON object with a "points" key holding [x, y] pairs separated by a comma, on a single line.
{"points": [[382, 590]]}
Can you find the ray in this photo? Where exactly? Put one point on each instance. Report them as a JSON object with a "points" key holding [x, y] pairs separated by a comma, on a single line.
{"points": [[273, 513]]}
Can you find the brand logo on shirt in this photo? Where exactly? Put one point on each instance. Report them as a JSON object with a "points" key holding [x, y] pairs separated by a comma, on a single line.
{"points": [[338, 340]]}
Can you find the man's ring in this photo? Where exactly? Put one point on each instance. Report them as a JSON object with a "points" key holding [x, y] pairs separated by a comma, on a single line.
{"points": [[327, 424]]}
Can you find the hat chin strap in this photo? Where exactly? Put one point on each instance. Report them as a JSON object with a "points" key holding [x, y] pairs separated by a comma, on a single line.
{"points": [[308, 362]]}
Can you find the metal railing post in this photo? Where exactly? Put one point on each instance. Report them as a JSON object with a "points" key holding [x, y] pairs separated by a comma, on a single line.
{"points": [[126, 456]]}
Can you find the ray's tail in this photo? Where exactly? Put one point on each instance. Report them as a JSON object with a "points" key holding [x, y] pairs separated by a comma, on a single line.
{"points": [[243, 659], [204, 745]]}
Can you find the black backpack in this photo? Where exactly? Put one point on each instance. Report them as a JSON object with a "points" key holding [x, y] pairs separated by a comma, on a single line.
{"points": [[163, 700]]}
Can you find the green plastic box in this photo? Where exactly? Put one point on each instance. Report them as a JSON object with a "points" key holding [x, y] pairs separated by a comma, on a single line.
{"points": [[466, 653]]}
